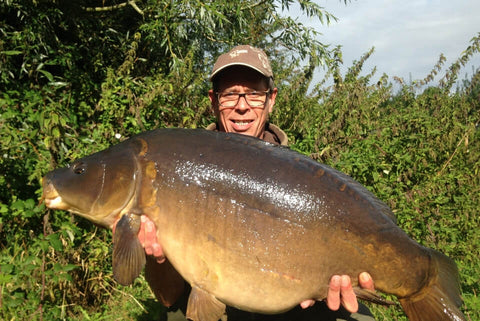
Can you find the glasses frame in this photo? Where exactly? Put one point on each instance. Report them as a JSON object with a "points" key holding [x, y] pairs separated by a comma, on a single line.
{"points": [[240, 95]]}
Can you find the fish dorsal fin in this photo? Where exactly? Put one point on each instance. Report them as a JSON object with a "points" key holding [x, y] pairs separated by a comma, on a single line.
{"points": [[128, 253], [202, 306]]}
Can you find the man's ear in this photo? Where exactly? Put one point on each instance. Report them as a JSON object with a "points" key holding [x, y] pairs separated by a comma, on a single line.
{"points": [[213, 102], [271, 100], [212, 96]]}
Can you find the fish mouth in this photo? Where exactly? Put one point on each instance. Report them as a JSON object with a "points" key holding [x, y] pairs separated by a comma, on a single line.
{"points": [[56, 203], [51, 197]]}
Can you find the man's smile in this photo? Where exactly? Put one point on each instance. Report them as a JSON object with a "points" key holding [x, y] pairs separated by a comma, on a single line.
{"points": [[242, 122], [242, 125]]}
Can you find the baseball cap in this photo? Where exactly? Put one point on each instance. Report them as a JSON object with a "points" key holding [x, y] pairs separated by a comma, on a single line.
{"points": [[243, 55]]}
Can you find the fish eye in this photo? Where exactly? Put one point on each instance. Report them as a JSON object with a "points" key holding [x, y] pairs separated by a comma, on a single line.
{"points": [[79, 168]]}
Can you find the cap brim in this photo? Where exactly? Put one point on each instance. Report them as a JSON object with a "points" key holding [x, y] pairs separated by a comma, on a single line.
{"points": [[216, 72]]}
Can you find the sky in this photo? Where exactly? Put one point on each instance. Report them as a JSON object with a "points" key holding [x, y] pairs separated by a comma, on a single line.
{"points": [[408, 35]]}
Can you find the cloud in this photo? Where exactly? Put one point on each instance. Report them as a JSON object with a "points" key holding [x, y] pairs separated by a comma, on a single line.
{"points": [[408, 36]]}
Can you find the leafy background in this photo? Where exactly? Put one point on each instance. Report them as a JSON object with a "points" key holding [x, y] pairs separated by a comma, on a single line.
{"points": [[77, 76]]}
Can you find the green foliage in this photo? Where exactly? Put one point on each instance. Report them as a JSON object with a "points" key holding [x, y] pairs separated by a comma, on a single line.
{"points": [[78, 76]]}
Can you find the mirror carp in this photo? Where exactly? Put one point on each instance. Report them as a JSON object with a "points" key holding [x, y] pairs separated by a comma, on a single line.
{"points": [[249, 224]]}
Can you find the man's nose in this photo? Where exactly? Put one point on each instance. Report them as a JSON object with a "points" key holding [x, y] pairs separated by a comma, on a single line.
{"points": [[242, 103]]}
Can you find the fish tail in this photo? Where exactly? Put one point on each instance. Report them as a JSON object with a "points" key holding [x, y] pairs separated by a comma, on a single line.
{"points": [[440, 299]]}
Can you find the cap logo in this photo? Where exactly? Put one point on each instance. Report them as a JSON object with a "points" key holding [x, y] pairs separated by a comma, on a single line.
{"points": [[237, 53]]}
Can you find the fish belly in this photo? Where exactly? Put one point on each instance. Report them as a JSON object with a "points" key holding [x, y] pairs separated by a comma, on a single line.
{"points": [[256, 261]]}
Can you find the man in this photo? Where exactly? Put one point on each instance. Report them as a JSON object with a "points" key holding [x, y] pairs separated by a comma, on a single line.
{"points": [[243, 96]]}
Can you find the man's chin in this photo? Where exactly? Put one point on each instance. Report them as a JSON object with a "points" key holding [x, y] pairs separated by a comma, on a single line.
{"points": [[249, 132]]}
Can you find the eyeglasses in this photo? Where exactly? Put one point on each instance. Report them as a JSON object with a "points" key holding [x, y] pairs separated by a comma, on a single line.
{"points": [[255, 99]]}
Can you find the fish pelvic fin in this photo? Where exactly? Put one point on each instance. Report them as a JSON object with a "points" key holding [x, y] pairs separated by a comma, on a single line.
{"points": [[166, 283], [128, 253], [202, 306], [440, 300]]}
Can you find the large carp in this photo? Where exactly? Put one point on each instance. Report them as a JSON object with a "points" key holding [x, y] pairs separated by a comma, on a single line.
{"points": [[249, 224]]}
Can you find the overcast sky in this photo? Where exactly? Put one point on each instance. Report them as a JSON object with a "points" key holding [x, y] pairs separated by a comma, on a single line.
{"points": [[408, 35]]}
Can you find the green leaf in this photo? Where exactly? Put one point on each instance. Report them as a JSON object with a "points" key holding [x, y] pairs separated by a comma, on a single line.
{"points": [[46, 74], [11, 52], [55, 242]]}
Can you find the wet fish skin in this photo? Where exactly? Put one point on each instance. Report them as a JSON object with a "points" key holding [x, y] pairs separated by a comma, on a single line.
{"points": [[233, 213]]}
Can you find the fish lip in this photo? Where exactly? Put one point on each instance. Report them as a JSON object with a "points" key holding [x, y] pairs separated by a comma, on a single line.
{"points": [[51, 197], [56, 203], [49, 191]]}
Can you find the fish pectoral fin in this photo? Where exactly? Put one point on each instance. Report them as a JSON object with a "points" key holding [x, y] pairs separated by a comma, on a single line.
{"points": [[371, 296], [202, 306], [128, 252]]}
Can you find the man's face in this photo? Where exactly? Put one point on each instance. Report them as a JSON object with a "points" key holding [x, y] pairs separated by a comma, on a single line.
{"points": [[242, 118]]}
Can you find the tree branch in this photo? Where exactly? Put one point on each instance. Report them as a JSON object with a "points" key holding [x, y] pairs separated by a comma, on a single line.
{"points": [[114, 7]]}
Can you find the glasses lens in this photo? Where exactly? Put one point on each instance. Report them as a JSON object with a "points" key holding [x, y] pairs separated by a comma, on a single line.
{"points": [[254, 99], [228, 99]]}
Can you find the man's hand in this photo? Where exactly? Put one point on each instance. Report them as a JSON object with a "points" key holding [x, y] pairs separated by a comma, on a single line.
{"points": [[148, 238], [340, 291], [147, 235]]}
